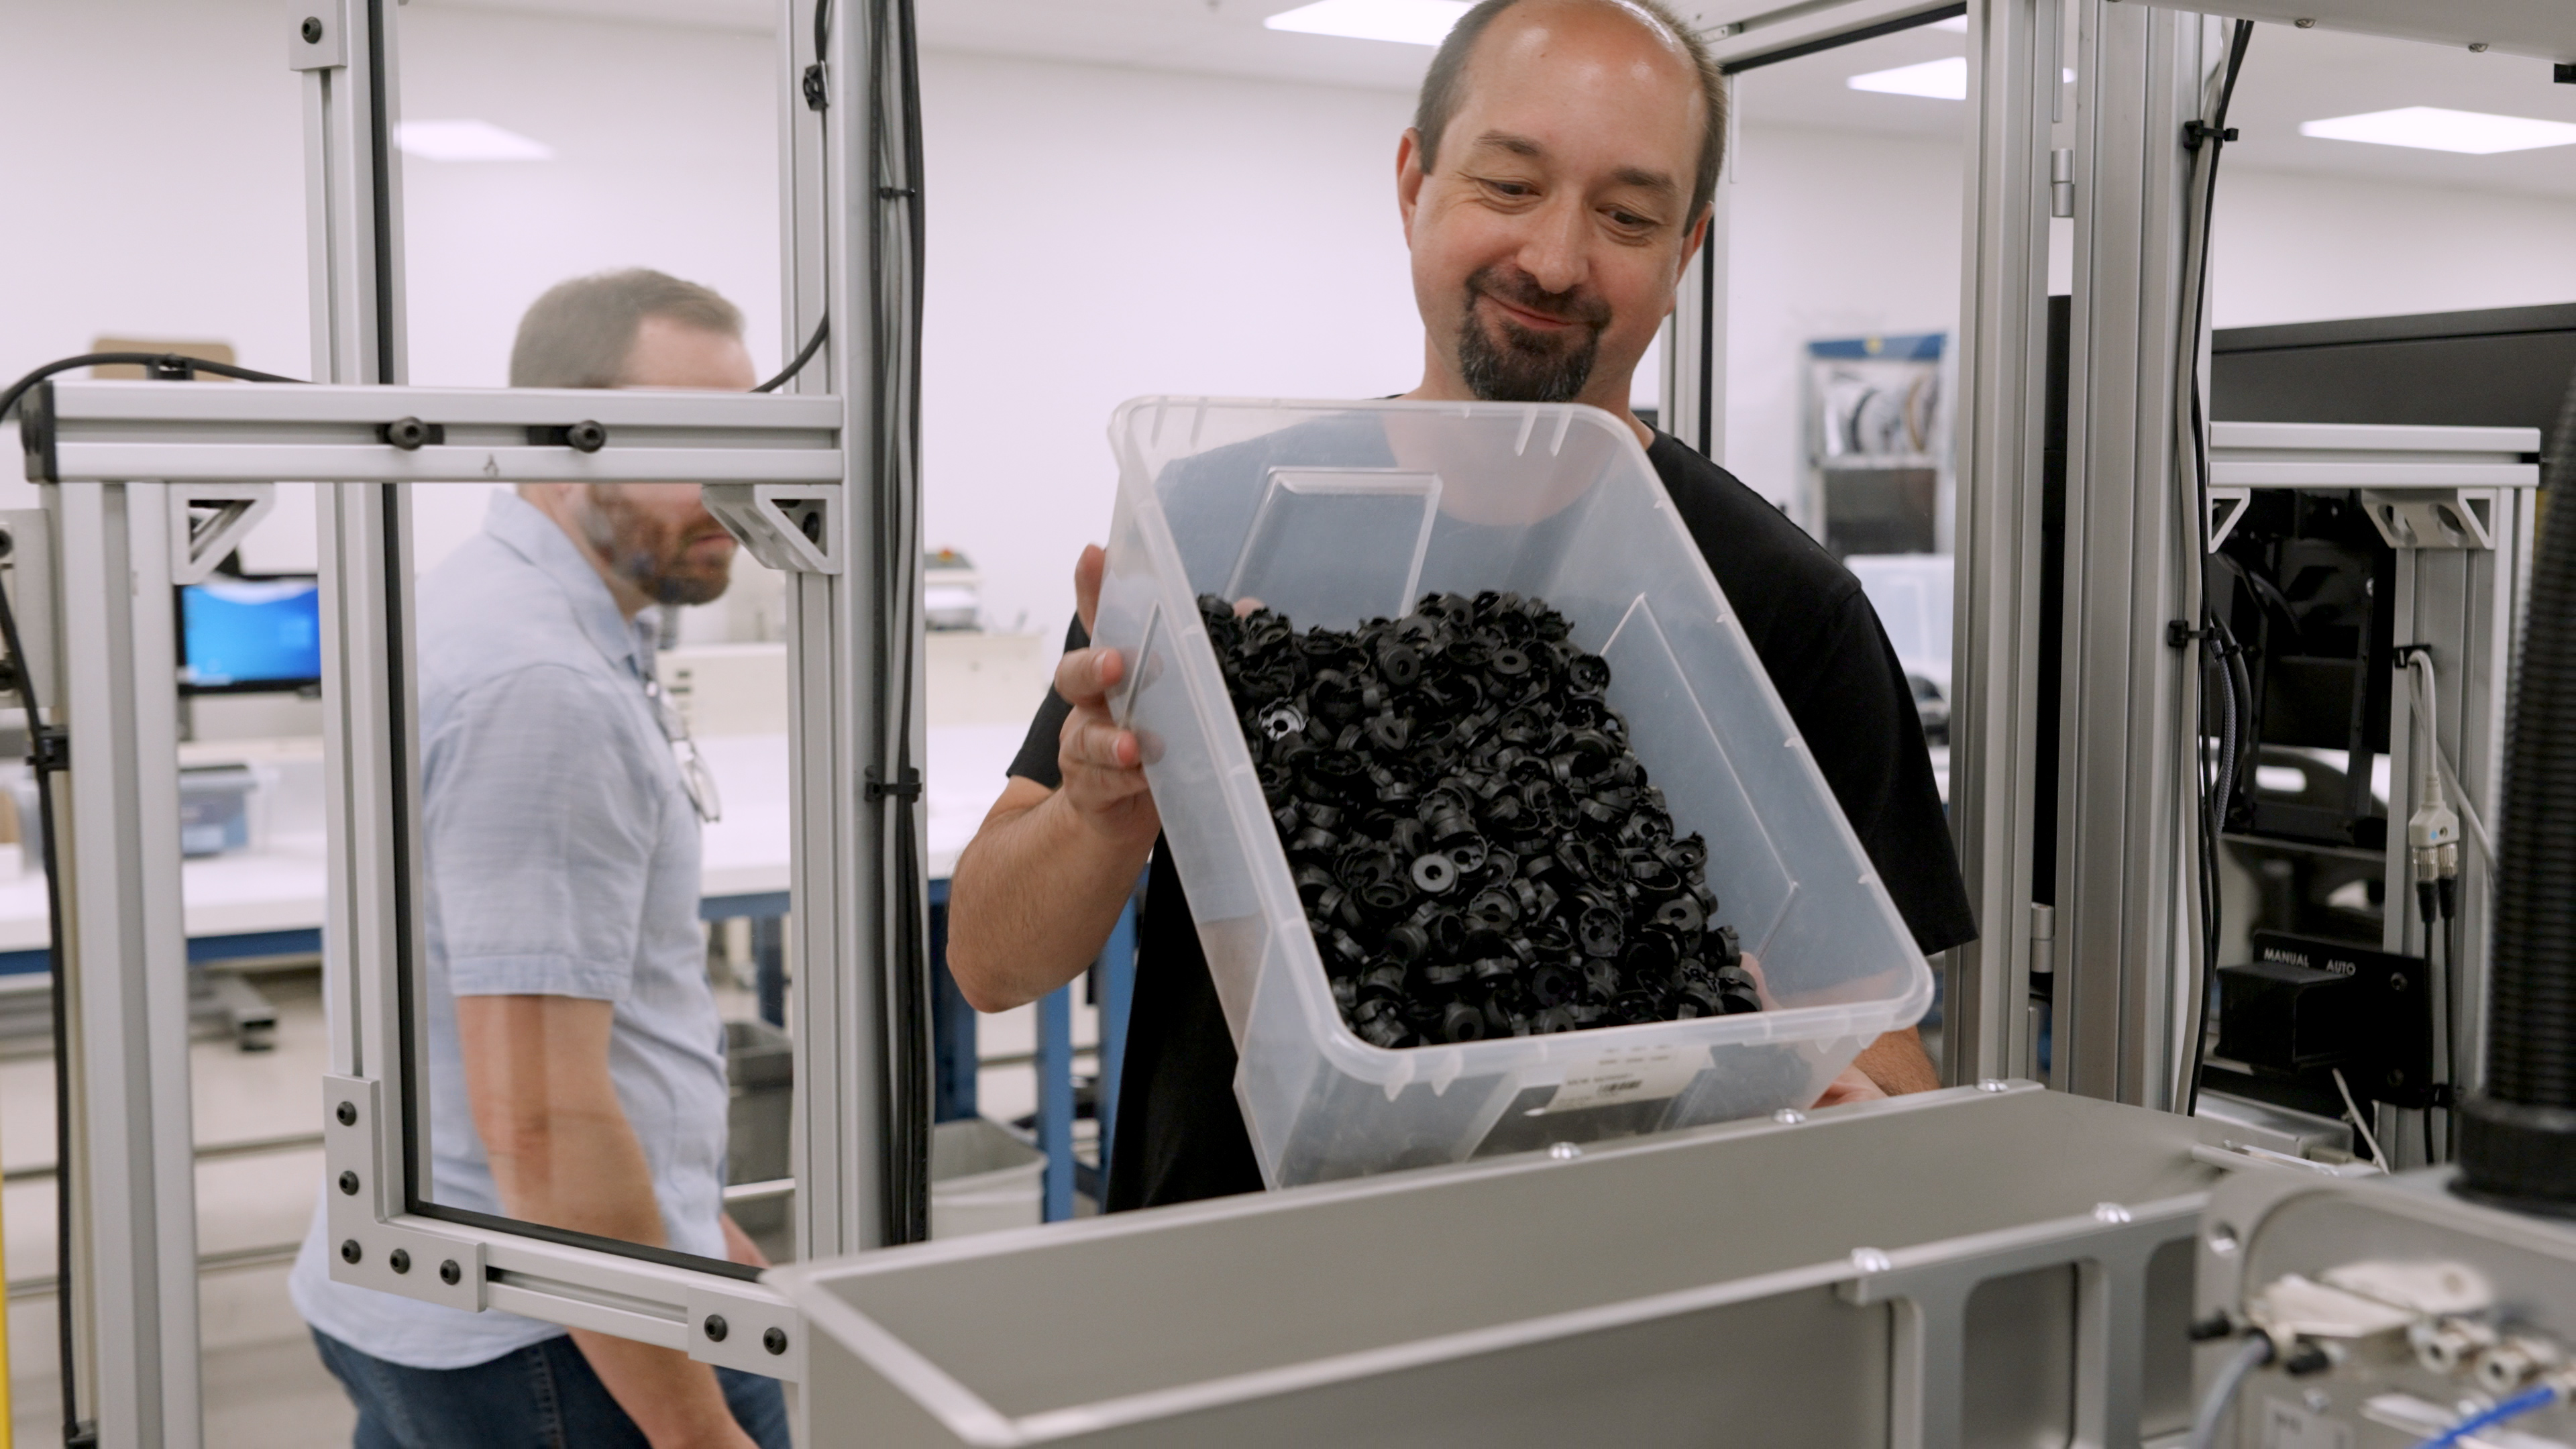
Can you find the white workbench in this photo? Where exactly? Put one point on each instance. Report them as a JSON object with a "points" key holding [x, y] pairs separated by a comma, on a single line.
{"points": [[279, 888]]}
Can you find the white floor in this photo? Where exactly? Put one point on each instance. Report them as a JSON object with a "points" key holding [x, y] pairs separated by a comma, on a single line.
{"points": [[263, 1384]]}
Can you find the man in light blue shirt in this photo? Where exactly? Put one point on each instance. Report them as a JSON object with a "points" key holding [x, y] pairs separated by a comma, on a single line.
{"points": [[575, 1059]]}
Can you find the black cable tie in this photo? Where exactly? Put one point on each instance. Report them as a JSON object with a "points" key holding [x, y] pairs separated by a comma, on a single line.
{"points": [[2179, 634], [817, 87], [2195, 131], [50, 751], [907, 785], [891, 193]]}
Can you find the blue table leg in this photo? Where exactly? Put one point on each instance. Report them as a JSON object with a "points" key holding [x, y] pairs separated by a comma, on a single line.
{"points": [[1055, 1099]]}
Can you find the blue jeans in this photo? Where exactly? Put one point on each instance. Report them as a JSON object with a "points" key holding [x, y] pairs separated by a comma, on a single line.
{"points": [[543, 1396]]}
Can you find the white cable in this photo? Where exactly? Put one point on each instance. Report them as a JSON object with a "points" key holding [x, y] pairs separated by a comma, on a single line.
{"points": [[2420, 693], [2357, 1124], [2256, 1352]]}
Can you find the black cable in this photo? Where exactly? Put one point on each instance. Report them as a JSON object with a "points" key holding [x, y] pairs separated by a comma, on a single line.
{"points": [[813, 345], [170, 366], [2207, 138], [44, 757]]}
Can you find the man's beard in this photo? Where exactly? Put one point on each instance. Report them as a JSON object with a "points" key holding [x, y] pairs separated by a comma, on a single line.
{"points": [[649, 554], [1527, 366]]}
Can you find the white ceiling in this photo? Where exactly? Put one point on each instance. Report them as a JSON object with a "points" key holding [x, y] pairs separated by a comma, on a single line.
{"points": [[2290, 75]]}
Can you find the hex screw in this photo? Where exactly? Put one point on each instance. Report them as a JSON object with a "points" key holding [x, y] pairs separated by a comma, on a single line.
{"points": [[347, 1112], [1564, 1151], [717, 1328], [585, 437], [401, 1260], [350, 1252], [349, 1183], [408, 434], [312, 30], [449, 1273], [775, 1340]]}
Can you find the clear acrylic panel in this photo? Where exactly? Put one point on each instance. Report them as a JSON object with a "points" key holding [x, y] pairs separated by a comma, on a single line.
{"points": [[601, 1045]]}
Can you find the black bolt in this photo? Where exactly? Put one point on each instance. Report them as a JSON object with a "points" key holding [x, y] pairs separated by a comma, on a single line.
{"points": [[407, 434], [2308, 1358], [717, 1328], [812, 525], [775, 1340], [585, 437], [401, 1260], [349, 1183], [2220, 1324], [449, 1273], [312, 30], [2396, 980], [350, 1252], [348, 1114]]}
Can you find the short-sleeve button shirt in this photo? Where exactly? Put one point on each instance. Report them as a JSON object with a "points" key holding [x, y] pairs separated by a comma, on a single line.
{"points": [[562, 859]]}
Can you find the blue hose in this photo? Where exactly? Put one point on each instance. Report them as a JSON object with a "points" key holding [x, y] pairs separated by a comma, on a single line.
{"points": [[2513, 1408]]}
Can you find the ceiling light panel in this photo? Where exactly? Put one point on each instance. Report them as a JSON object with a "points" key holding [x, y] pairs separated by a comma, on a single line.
{"points": [[2431, 128], [467, 140], [1941, 80], [1407, 22]]}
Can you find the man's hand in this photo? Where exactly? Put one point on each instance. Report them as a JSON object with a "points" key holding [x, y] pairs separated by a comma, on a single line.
{"points": [[1035, 893], [1103, 765], [1853, 1085]]}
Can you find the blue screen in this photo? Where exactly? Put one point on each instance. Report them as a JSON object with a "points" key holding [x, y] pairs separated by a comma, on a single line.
{"points": [[244, 633]]}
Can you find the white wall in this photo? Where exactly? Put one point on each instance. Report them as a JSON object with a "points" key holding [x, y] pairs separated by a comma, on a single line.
{"points": [[1098, 234], [2291, 248], [1830, 234]]}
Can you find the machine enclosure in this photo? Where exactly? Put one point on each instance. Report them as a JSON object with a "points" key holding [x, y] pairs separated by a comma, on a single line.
{"points": [[1333, 513]]}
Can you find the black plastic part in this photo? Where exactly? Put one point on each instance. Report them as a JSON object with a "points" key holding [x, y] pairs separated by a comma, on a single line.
{"points": [[350, 1252], [411, 434], [581, 437], [349, 1184], [775, 1340], [347, 1112], [2518, 1140], [2308, 1006], [907, 786], [1476, 848], [2563, 72], [36, 433], [399, 1260], [716, 1328], [2218, 1325], [2306, 1359]]}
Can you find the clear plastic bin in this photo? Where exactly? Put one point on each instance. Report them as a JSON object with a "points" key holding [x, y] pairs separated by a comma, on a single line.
{"points": [[1333, 513]]}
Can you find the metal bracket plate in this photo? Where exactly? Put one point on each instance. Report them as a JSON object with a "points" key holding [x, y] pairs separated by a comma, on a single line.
{"points": [[367, 1249], [786, 526], [756, 1332], [2461, 518], [209, 520]]}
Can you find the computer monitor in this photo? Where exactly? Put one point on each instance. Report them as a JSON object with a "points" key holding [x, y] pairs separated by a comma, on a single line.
{"points": [[250, 634]]}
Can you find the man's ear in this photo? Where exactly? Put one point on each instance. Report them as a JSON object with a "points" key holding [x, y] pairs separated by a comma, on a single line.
{"points": [[1697, 238], [1408, 177]]}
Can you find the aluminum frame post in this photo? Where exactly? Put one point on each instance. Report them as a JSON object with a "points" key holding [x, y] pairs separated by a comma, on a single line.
{"points": [[129, 962], [2125, 828], [2013, 49]]}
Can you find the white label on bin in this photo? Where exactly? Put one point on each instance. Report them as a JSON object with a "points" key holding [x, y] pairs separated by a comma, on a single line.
{"points": [[1626, 1074]]}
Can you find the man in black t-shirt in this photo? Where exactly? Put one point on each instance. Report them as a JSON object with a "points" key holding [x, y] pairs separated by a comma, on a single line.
{"points": [[1556, 180]]}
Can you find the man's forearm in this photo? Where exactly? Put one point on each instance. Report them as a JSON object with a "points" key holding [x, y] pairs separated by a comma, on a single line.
{"points": [[1898, 1063], [1031, 901]]}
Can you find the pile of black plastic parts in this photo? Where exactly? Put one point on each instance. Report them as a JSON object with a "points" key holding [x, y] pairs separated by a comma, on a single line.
{"points": [[1478, 850]]}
